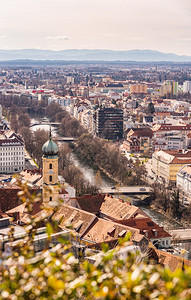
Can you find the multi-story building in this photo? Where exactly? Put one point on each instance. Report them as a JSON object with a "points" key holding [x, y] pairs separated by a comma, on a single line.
{"points": [[166, 164], [109, 123], [138, 88], [132, 145], [70, 80], [169, 87], [172, 142], [12, 152], [161, 130], [144, 136], [187, 86], [184, 180]]}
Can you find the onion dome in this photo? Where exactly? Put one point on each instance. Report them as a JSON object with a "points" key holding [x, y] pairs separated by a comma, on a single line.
{"points": [[50, 149]]}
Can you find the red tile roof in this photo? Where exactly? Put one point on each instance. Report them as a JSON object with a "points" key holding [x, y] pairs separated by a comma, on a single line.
{"points": [[172, 261], [113, 209], [146, 225], [9, 197], [90, 203]]}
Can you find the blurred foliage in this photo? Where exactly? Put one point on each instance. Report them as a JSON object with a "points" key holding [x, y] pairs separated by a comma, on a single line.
{"points": [[57, 274]]}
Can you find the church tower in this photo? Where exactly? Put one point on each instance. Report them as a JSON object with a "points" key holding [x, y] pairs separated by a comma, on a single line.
{"points": [[50, 170]]}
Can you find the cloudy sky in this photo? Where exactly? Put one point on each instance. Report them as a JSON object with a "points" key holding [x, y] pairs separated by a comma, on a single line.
{"points": [[163, 25]]}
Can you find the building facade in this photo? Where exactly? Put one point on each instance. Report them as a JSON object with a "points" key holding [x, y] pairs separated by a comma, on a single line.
{"points": [[109, 123], [50, 171], [12, 152], [187, 86], [184, 180], [138, 88], [167, 163]]}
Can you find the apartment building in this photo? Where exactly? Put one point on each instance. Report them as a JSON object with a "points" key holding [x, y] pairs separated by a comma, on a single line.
{"points": [[184, 179], [173, 142], [144, 136], [138, 88], [167, 163], [12, 152], [169, 87], [187, 86]]}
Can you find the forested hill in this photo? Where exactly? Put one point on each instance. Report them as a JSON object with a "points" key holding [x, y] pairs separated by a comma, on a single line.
{"points": [[91, 55]]}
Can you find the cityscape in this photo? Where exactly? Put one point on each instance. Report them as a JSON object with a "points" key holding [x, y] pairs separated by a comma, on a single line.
{"points": [[112, 143], [95, 150]]}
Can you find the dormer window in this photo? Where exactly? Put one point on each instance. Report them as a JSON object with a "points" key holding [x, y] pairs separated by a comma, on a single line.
{"points": [[146, 233], [122, 233], [111, 230], [155, 231]]}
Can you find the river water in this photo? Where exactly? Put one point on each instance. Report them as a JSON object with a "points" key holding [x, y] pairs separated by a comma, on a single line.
{"points": [[90, 174]]}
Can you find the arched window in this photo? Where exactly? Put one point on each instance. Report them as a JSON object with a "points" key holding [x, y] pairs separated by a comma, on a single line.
{"points": [[50, 198], [50, 178], [50, 166]]}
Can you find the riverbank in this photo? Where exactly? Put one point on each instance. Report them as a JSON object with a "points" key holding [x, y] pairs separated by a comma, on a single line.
{"points": [[182, 223]]}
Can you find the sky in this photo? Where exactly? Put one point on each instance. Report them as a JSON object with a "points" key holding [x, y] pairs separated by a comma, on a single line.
{"points": [[162, 25]]}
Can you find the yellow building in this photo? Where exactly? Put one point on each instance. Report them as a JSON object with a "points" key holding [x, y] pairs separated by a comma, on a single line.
{"points": [[50, 171], [166, 164]]}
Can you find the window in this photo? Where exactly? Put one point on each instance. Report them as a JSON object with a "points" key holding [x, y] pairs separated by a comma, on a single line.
{"points": [[50, 178], [50, 166], [50, 198]]}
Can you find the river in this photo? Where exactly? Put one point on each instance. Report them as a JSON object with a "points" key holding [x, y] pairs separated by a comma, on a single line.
{"points": [[90, 173]]}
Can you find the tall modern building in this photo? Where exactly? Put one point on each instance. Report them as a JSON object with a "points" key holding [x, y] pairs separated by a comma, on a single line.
{"points": [[169, 87], [109, 123]]}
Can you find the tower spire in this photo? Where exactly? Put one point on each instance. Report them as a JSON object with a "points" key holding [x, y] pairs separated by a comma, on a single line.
{"points": [[50, 133]]}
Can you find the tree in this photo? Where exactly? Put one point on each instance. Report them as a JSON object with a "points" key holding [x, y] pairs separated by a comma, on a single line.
{"points": [[14, 123], [40, 137], [151, 108], [175, 202], [28, 137], [98, 179], [24, 120], [52, 109]]}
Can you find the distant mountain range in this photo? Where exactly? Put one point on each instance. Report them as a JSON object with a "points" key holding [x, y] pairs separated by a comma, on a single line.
{"points": [[91, 55]]}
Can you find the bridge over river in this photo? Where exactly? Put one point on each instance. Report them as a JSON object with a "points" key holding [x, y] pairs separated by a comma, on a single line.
{"points": [[45, 123], [127, 190], [66, 139]]}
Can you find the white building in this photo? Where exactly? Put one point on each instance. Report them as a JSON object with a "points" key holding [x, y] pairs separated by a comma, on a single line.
{"points": [[176, 142], [184, 180], [70, 80], [12, 152], [187, 86]]}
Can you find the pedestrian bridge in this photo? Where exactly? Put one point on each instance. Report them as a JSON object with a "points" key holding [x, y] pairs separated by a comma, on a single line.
{"points": [[127, 190], [66, 139], [45, 123]]}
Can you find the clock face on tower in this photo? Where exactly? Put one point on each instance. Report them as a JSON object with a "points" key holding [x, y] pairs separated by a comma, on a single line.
{"points": [[50, 171]]}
